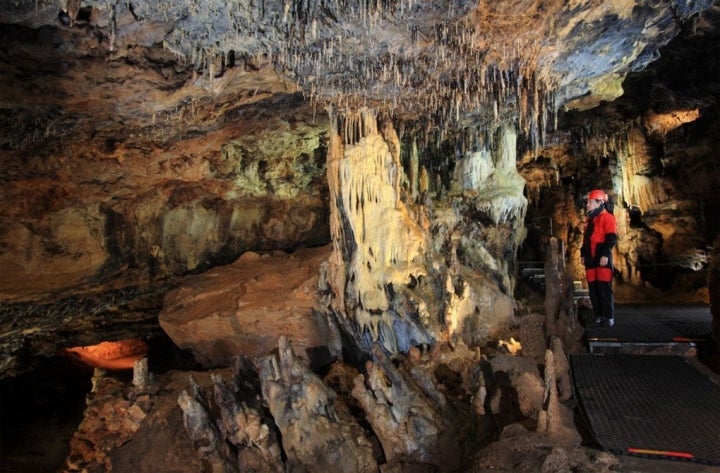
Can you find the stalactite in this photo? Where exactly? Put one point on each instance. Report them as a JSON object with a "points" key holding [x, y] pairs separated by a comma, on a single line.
{"points": [[367, 190], [414, 171]]}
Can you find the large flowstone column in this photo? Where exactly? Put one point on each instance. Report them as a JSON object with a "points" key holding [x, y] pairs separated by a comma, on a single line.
{"points": [[378, 246], [404, 273]]}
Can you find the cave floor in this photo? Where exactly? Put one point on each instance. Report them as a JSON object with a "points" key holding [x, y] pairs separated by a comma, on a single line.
{"points": [[48, 455], [654, 380], [652, 405]]}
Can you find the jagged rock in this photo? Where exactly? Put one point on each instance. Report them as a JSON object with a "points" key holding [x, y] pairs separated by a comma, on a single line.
{"points": [[521, 450], [315, 435], [412, 418], [517, 389], [161, 444], [129, 149], [204, 433], [229, 430], [243, 308], [562, 370], [112, 417], [556, 420], [242, 425]]}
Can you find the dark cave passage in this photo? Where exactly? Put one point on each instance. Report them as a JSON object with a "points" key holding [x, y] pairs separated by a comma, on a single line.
{"points": [[41, 409]]}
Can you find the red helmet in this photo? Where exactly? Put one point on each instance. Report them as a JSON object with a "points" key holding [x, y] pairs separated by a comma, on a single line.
{"points": [[597, 194]]}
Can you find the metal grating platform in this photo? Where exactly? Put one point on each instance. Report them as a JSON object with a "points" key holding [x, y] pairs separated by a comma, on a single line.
{"points": [[658, 406], [651, 324]]}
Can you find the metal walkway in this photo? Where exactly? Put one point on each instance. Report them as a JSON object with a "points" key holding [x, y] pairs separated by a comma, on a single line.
{"points": [[644, 324], [650, 405], [657, 406]]}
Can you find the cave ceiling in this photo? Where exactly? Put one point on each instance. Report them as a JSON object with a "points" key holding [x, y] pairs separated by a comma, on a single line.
{"points": [[157, 71]]}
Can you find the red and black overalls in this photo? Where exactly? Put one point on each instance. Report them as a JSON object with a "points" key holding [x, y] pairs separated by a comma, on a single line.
{"points": [[598, 240]]}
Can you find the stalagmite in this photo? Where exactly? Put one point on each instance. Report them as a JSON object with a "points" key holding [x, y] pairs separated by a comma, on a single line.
{"points": [[410, 423], [242, 425], [315, 435], [203, 432], [554, 285], [556, 420], [562, 370], [141, 375]]}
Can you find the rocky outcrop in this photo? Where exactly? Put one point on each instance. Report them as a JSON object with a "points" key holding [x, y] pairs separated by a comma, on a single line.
{"points": [[317, 434], [130, 213], [516, 388], [410, 415], [421, 412], [146, 140], [113, 416], [243, 308], [396, 273]]}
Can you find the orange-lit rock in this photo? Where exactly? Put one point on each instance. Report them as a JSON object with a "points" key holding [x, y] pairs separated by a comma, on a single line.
{"points": [[662, 123], [120, 355]]}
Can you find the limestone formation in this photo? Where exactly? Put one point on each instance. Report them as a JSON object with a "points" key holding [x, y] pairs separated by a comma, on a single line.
{"points": [[412, 419], [555, 419], [316, 436], [112, 417], [242, 425], [562, 370], [222, 140], [517, 388], [554, 285], [363, 180]]}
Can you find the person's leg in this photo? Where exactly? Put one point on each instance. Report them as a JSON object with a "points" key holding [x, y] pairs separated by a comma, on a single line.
{"points": [[594, 295], [606, 300]]}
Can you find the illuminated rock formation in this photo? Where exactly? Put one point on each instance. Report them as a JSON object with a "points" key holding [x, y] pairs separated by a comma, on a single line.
{"points": [[360, 179], [216, 143], [242, 309]]}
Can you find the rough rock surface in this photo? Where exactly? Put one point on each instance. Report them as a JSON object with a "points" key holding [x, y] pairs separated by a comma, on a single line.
{"points": [[408, 414], [141, 141], [317, 434], [137, 212], [147, 175], [144, 140], [518, 388], [243, 308]]}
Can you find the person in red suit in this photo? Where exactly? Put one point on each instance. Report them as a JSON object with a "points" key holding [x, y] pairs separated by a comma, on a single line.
{"points": [[599, 238]]}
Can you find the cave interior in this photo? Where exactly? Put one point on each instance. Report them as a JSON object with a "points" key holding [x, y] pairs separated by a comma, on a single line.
{"points": [[325, 220]]}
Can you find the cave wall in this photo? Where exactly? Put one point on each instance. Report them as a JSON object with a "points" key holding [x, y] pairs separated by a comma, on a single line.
{"points": [[653, 151], [146, 141], [162, 210]]}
